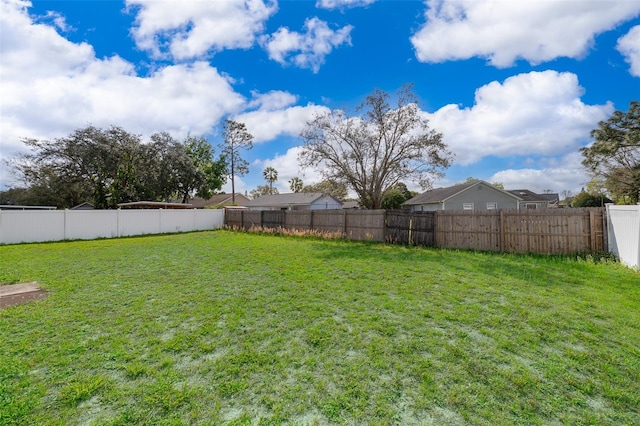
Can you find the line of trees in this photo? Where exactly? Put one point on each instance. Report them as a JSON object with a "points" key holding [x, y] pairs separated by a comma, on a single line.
{"points": [[371, 152], [110, 166]]}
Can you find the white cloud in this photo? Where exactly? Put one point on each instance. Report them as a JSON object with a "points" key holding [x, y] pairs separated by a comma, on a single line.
{"points": [[272, 100], [288, 167], [629, 46], [336, 4], [276, 116], [505, 31], [308, 49], [190, 29], [240, 186], [51, 86], [539, 113], [564, 174]]}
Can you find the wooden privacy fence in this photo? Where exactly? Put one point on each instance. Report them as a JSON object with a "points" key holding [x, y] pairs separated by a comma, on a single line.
{"points": [[550, 231], [547, 231], [357, 225]]}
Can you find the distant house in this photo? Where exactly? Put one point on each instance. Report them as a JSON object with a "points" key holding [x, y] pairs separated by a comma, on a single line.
{"points": [[351, 205], [475, 195], [218, 201], [83, 206], [295, 201], [531, 200]]}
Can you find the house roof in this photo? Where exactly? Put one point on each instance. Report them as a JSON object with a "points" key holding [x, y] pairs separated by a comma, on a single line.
{"points": [[83, 206], [218, 200], [531, 196], [439, 195], [291, 199], [351, 205]]}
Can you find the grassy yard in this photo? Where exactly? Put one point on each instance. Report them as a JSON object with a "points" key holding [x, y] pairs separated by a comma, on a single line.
{"points": [[226, 328]]}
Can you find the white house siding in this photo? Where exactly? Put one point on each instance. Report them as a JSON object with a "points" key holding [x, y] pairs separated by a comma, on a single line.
{"points": [[325, 203]]}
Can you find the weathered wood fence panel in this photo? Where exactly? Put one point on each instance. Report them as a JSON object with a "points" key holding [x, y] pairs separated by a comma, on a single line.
{"points": [[365, 225], [472, 230], [551, 231], [233, 218], [403, 227], [272, 219], [298, 220], [329, 221]]}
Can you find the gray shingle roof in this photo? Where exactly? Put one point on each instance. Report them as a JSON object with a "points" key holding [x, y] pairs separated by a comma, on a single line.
{"points": [[439, 195], [218, 199], [292, 199], [531, 196]]}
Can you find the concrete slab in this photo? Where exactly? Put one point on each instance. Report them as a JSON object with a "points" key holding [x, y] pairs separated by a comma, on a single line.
{"points": [[15, 294]]}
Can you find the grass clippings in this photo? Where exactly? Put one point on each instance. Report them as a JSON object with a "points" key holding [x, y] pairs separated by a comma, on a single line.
{"points": [[233, 328]]}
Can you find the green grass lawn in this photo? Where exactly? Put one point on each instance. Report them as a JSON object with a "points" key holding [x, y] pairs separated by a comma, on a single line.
{"points": [[232, 328]]}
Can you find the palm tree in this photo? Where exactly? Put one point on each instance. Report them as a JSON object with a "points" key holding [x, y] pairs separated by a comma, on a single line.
{"points": [[296, 184], [270, 175]]}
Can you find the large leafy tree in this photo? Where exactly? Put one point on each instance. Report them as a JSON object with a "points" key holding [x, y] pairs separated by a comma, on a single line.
{"points": [[211, 173], [396, 195], [337, 190], [261, 190], [112, 166], [236, 137], [586, 199], [377, 147], [270, 175], [92, 160], [615, 154], [46, 188]]}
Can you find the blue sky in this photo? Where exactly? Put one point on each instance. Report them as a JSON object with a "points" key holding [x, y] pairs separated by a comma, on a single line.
{"points": [[515, 87]]}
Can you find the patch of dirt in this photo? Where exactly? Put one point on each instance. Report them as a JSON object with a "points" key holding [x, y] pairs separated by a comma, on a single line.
{"points": [[17, 294]]}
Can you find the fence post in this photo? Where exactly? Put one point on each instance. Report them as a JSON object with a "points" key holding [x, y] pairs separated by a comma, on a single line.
{"points": [[436, 226], [605, 230], [311, 220], [64, 227], [501, 230], [592, 230], [344, 222]]}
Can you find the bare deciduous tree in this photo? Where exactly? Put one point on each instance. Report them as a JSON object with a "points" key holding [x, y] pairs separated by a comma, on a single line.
{"points": [[374, 150]]}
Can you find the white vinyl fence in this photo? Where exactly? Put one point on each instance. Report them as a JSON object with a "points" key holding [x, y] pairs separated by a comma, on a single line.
{"points": [[28, 226], [624, 233]]}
